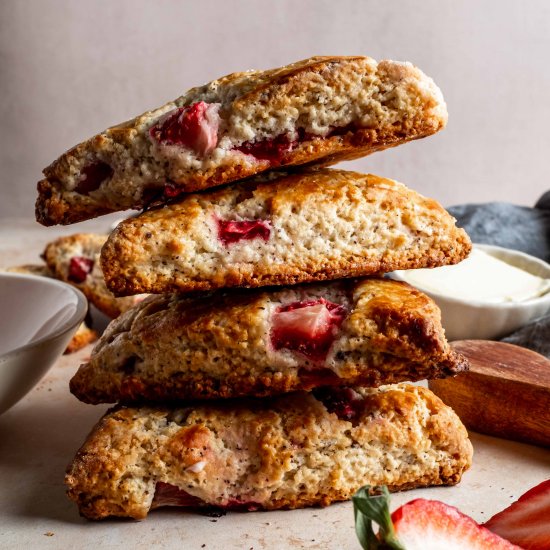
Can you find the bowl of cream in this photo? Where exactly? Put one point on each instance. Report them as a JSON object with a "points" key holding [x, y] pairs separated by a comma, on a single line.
{"points": [[490, 294]]}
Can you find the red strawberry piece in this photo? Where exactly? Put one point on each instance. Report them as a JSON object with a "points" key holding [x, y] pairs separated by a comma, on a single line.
{"points": [[171, 191], [93, 176], [167, 494], [432, 525], [195, 127], [345, 403], [79, 268], [271, 149], [526, 522], [308, 327], [275, 149], [234, 231]]}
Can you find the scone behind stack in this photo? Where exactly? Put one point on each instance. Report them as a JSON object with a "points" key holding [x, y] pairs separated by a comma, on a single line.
{"points": [[75, 260]]}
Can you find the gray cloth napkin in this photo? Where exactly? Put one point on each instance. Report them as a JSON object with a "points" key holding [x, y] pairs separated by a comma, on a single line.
{"points": [[521, 228]]}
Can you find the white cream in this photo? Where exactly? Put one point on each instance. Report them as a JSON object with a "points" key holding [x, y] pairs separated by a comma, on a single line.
{"points": [[481, 278]]}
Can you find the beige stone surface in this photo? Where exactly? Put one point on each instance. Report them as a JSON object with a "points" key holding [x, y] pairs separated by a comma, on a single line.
{"points": [[39, 436]]}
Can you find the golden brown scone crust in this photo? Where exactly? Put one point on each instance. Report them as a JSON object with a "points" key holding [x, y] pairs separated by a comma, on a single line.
{"points": [[58, 255], [39, 270], [84, 334], [325, 224], [375, 106], [82, 337], [285, 452], [174, 347]]}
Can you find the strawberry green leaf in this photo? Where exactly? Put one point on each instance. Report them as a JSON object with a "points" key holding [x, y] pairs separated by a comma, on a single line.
{"points": [[368, 508], [365, 534]]}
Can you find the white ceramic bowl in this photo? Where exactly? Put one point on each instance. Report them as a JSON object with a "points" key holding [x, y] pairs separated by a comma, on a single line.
{"points": [[38, 317], [464, 319]]}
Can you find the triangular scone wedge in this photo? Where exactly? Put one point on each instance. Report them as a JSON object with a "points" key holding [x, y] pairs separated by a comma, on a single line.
{"points": [[75, 260], [369, 332], [304, 227], [293, 451], [322, 109]]}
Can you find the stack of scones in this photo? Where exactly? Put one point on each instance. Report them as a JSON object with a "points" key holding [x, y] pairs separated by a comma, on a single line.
{"points": [[267, 369]]}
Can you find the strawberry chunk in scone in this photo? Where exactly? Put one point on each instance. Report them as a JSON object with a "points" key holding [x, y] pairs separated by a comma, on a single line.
{"points": [[170, 495], [308, 327], [345, 403], [93, 175], [195, 127], [79, 268], [270, 149], [230, 232]]}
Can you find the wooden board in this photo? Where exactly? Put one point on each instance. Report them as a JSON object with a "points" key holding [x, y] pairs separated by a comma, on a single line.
{"points": [[506, 393]]}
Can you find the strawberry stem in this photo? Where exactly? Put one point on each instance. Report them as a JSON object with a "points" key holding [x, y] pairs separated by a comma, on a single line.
{"points": [[368, 508]]}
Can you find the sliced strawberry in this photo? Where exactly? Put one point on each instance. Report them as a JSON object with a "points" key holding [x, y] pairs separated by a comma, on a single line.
{"points": [[418, 525], [195, 126], [526, 522], [79, 268], [308, 327], [432, 525], [93, 176], [234, 231]]}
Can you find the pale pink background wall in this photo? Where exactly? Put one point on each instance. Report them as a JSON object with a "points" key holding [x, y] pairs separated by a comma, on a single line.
{"points": [[70, 68]]}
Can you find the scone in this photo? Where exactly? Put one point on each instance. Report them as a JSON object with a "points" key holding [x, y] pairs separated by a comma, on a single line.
{"points": [[84, 335], [311, 226], [369, 332], [323, 109], [75, 260], [296, 450], [40, 270]]}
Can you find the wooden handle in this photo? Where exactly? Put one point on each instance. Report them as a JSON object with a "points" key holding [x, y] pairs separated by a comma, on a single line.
{"points": [[506, 393]]}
